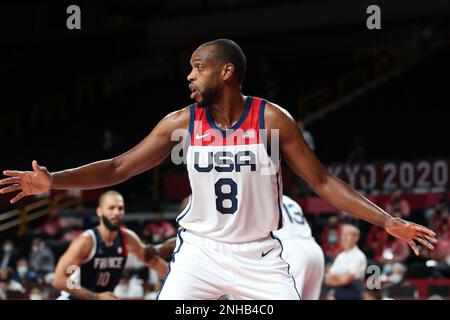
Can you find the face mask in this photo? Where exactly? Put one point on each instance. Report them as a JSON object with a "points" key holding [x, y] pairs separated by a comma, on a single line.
{"points": [[35, 297], [22, 270], [332, 238], [35, 248], [7, 248]]}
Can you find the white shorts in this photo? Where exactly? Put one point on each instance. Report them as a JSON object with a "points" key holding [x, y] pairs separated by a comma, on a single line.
{"points": [[307, 264], [204, 269]]}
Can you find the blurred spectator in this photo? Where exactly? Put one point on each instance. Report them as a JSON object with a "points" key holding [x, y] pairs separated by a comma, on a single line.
{"points": [[36, 294], [442, 204], [348, 271], [160, 228], [42, 259], [110, 142], [395, 275], [23, 274], [393, 250], [10, 286], [397, 206], [129, 288], [306, 134], [8, 255], [438, 218], [375, 242], [330, 239]]}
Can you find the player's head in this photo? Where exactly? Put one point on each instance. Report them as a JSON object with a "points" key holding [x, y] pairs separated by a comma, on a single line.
{"points": [[349, 236], [111, 209], [215, 65]]}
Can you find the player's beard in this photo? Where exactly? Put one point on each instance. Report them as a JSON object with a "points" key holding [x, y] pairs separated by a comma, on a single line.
{"points": [[207, 96], [108, 224]]}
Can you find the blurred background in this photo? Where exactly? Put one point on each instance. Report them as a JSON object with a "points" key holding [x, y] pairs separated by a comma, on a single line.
{"points": [[371, 103]]}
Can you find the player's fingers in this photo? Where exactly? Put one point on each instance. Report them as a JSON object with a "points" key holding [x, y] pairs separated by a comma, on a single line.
{"points": [[424, 242], [14, 173], [17, 197], [414, 247], [11, 188], [424, 230], [10, 180], [430, 239]]}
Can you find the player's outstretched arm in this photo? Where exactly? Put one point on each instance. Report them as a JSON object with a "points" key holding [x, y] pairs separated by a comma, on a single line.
{"points": [[145, 253], [146, 155], [304, 163], [69, 263], [166, 248]]}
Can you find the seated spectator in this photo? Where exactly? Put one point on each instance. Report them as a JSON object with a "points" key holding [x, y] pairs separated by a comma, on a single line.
{"points": [[42, 259], [438, 217], [161, 229], [442, 204], [10, 286], [375, 242], [347, 274], [397, 204], [8, 254], [330, 239], [395, 275], [23, 274], [36, 294]]}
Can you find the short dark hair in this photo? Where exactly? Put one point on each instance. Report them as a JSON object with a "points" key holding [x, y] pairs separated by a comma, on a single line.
{"points": [[228, 51]]}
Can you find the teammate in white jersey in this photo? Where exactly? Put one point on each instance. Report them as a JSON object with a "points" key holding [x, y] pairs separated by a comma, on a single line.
{"points": [[236, 187], [301, 251]]}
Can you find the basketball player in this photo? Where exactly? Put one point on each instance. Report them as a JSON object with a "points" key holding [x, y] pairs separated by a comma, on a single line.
{"points": [[236, 185], [301, 251], [92, 266]]}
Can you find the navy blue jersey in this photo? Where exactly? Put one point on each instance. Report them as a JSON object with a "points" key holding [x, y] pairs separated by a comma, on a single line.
{"points": [[103, 269]]}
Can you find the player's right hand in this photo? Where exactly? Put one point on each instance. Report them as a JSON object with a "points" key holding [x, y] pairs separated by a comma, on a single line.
{"points": [[27, 182], [108, 295]]}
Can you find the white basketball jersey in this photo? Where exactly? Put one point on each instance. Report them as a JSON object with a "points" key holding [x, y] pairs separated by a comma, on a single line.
{"points": [[294, 222], [236, 187]]}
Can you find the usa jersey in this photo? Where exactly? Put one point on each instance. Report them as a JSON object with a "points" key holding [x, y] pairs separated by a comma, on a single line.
{"points": [[236, 187], [295, 224], [103, 268]]}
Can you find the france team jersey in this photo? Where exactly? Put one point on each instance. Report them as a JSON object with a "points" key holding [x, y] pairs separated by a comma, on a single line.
{"points": [[295, 224], [103, 268], [236, 187]]}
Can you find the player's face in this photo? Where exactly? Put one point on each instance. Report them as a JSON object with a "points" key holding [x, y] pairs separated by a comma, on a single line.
{"points": [[204, 79], [111, 212]]}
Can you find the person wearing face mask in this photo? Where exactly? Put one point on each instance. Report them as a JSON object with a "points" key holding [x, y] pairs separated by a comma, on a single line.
{"points": [[42, 259], [93, 264], [10, 286], [24, 274], [330, 239], [8, 255], [347, 273]]}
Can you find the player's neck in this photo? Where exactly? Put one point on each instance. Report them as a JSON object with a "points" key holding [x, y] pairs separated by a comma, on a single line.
{"points": [[107, 235], [228, 109]]}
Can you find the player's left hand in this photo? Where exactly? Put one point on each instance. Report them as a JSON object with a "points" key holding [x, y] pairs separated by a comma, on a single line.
{"points": [[410, 232]]}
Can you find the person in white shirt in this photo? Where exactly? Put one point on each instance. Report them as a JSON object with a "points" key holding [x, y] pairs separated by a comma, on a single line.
{"points": [[347, 273]]}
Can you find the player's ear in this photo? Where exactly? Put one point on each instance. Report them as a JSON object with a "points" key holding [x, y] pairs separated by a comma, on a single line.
{"points": [[228, 71], [99, 211]]}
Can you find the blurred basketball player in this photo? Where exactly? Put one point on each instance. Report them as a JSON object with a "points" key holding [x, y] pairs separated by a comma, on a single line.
{"points": [[92, 266], [301, 251], [225, 243]]}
